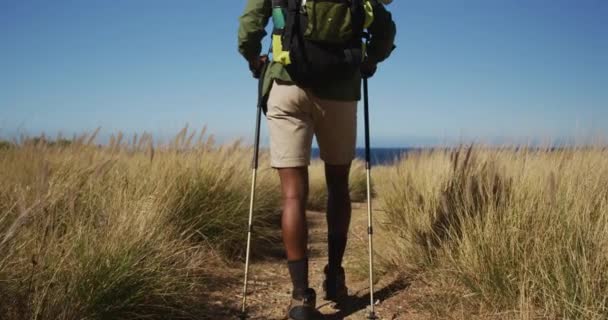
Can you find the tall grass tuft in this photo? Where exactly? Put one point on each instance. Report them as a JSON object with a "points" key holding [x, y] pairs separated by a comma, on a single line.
{"points": [[510, 232], [131, 230]]}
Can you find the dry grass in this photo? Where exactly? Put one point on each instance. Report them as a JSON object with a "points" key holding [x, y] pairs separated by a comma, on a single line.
{"points": [[511, 233], [134, 230], [126, 231]]}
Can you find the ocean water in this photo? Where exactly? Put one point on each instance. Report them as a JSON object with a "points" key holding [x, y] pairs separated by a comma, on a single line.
{"points": [[378, 156]]}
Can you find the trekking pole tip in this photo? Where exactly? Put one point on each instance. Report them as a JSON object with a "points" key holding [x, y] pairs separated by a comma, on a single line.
{"points": [[372, 316], [243, 316]]}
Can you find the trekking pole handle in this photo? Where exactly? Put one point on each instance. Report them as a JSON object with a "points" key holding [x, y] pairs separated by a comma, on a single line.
{"points": [[260, 106]]}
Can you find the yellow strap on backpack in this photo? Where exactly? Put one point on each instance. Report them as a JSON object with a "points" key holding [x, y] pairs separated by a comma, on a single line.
{"points": [[278, 54]]}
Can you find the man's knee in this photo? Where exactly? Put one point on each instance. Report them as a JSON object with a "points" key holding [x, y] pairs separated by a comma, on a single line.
{"points": [[295, 195], [337, 179], [294, 184]]}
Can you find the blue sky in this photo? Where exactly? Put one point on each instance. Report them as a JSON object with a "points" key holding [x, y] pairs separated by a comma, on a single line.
{"points": [[470, 69]]}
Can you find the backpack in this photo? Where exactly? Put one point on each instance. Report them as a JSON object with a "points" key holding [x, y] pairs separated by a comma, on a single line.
{"points": [[319, 41]]}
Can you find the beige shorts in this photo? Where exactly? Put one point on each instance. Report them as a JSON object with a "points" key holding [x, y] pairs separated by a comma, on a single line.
{"points": [[295, 114]]}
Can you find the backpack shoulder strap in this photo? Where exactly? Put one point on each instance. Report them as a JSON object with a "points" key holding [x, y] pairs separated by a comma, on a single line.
{"points": [[293, 8], [357, 11]]}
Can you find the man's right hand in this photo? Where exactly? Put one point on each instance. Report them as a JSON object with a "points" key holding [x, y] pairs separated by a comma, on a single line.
{"points": [[257, 64], [368, 68]]}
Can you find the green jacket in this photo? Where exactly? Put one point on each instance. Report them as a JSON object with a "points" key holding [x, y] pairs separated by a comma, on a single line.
{"points": [[252, 30]]}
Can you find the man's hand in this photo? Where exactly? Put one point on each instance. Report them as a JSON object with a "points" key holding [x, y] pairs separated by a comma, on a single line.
{"points": [[368, 68], [257, 64]]}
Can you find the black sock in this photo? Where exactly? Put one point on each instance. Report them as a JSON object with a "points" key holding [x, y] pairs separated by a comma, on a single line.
{"points": [[336, 246], [298, 270]]}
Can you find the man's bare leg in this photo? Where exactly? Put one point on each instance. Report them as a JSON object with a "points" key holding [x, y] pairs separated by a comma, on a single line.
{"points": [[338, 214], [294, 189]]}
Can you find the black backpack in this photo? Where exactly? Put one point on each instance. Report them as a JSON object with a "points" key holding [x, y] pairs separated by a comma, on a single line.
{"points": [[319, 41]]}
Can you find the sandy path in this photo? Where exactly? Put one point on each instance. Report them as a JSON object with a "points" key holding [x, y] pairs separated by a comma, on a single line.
{"points": [[270, 284]]}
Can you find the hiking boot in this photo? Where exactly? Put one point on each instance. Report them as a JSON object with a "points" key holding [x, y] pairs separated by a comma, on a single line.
{"points": [[304, 307], [335, 285]]}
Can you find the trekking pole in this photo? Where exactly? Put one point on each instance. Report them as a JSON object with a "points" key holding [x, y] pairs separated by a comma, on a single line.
{"points": [[254, 169], [370, 231]]}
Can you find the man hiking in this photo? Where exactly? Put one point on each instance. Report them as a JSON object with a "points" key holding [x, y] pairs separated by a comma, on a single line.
{"points": [[312, 87]]}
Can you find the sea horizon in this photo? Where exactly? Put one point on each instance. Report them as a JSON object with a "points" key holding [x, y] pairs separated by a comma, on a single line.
{"points": [[381, 156]]}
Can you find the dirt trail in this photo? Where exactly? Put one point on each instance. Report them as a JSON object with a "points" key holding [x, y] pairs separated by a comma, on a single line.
{"points": [[270, 285]]}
